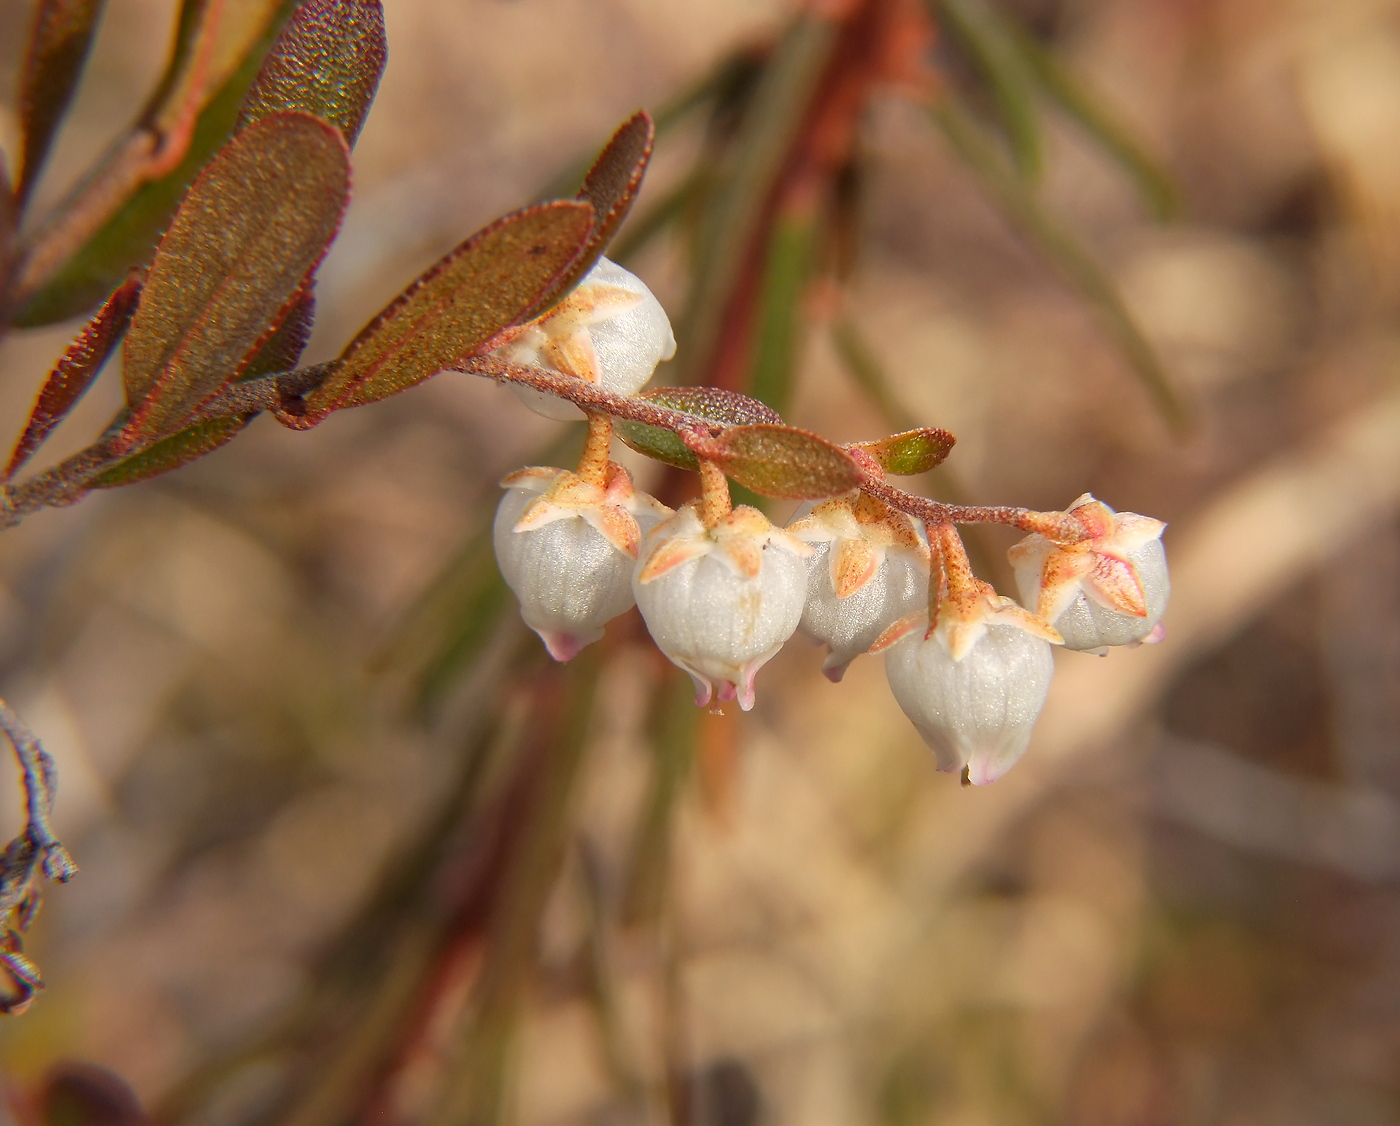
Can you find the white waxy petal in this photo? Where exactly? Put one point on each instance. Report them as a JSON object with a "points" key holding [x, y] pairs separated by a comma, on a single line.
{"points": [[569, 578], [976, 712], [850, 625], [628, 345]]}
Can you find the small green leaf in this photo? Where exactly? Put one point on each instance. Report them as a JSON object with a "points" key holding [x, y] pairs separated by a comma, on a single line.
{"points": [[485, 285], [327, 62], [713, 404], [250, 231], [58, 47], [610, 186], [75, 371], [911, 453], [784, 462]]}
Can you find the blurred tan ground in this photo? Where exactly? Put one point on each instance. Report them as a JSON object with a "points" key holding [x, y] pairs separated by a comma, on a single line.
{"points": [[1182, 908]]}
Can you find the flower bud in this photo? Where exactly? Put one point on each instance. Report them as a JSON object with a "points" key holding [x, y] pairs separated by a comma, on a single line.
{"points": [[609, 331], [567, 550], [720, 602], [1109, 589], [975, 711], [869, 568]]}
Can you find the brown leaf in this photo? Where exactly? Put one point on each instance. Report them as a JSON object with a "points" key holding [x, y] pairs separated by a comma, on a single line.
{"points": [[485, 285], [58, 45], [251, 229], [326, 62], [910, 453], [75, 371], [279, 352], [170, 453], [783, 462], [610, 186]]}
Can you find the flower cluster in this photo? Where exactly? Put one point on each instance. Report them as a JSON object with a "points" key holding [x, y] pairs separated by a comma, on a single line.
{"points": [[870, 569]]}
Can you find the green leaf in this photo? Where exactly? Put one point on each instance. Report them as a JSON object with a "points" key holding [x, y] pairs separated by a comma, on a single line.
{"points": [[278, 353], [467, 298], [911, 453], [784, 462], [58, 47], [75, 371], [713, 404], [250, 231], [610, 186], [129, 237], [327, 62]]}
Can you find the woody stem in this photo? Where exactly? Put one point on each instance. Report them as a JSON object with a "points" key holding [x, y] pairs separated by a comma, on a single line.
{"points": [[715, 503], [593, 465]]}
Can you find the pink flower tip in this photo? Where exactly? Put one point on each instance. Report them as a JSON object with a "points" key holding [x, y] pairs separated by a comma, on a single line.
{"points": [[563, 646]]}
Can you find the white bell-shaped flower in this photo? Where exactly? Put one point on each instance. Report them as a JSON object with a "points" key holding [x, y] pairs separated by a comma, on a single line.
{"points": [[868, 569], [975, 683], [976, 711], [720, 602], [1109, 589], [610, 331], [567, 550]]}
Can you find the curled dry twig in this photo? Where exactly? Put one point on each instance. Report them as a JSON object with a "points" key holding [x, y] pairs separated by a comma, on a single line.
{"points": [[35, 852]]}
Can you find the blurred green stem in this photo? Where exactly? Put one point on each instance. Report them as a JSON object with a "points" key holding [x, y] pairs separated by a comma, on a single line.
{"points": [[1064, 252], [476, 1076]]}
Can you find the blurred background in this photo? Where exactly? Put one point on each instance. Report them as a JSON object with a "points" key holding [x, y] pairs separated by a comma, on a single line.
{"points": [[351, 852]]}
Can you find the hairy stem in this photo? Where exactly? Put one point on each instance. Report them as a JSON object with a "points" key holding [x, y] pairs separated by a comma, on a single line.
{"points": [[715, 502], [1053, 525], [593, 465]]}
